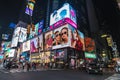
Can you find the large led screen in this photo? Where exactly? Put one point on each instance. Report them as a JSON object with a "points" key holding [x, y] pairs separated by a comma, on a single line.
{"points": [[64, 12], [26, 46], [61, 37], [34, 45], [89, 44], [35, 32], [6, 45], [48, 40], [29, 8], [11, 53], [14, 42], [40, 43], [77, 39], [16, 32], [23, 34], [40, 28]]}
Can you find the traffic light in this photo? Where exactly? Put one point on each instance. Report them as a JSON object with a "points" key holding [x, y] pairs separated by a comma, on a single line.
{"points": [[33, 27]]}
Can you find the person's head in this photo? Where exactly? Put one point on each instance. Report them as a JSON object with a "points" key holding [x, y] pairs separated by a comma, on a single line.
{"points": [[64, 34], [76, 34], [57, 36]]}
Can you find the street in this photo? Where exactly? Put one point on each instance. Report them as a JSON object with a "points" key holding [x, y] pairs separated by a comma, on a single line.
{"points": [[56, 75]]}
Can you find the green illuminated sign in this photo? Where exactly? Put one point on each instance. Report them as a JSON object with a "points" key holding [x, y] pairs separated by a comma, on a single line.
{"points": [[90, 55]]}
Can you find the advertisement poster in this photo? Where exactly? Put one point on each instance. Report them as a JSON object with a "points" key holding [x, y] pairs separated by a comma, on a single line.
{"points": [[89, 44], [48, 40], [41, 26], [77, 39], [40, 42], [29, 8], [34, 45], [64, 12], [14, 42], [23, 34], [35, 32], [61, 37], [60, 53], [16, 32], [26, 46], [11, 53]]}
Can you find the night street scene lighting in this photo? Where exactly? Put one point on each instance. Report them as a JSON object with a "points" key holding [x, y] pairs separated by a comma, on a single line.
{"points": [[60, 40]]}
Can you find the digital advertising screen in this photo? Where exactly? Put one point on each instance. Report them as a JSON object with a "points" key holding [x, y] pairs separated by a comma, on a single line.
{"points": [[26, 46], [61, 37], [16, 32], [29, 8], [41, 26], [34, 45], [10, 52], [24, 56], [60, 53], [23, 34], [7, 45], [77, 39], [5, 36], [40, 43], [14, 42], [35, 32], [66, 11], [48, 40], [89, 44]]}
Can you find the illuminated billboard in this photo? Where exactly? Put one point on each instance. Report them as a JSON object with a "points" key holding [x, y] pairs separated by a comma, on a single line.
{"points": [[5, 36], [40, 43], [6, 45], [77, 39], [23, 34], [34, 33], [26, 46], [14, 42], [64, 12], [41, 26], [16, 32], [29, 7], [89, 44], [48, 40], [34, 45], [61, 37]]}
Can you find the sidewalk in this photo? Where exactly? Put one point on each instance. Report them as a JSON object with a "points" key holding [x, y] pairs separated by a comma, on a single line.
{"points": [[16, 70]]}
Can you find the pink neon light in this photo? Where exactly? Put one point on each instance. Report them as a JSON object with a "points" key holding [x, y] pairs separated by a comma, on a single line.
{"points": [[64, 21]]}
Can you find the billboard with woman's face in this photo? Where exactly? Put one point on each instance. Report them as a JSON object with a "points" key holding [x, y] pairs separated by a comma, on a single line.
{"points": [[40, 42], [77, 39], [48, 40], [61, 37], [34, 45]]}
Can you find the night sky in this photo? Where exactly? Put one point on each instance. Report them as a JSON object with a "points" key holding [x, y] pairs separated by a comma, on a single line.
{"points": [[9, 11]]}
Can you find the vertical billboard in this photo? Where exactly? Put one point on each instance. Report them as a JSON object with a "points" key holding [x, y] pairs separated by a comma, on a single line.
{"points": [[34, 33], [48, 40], [23, 34], [89, 44], [30, 7], [41, 26], [34, 45], [64, 12], [61, 37], [26, 46], [14, 42], [77, 39], [40, 42], [15, 37]]}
